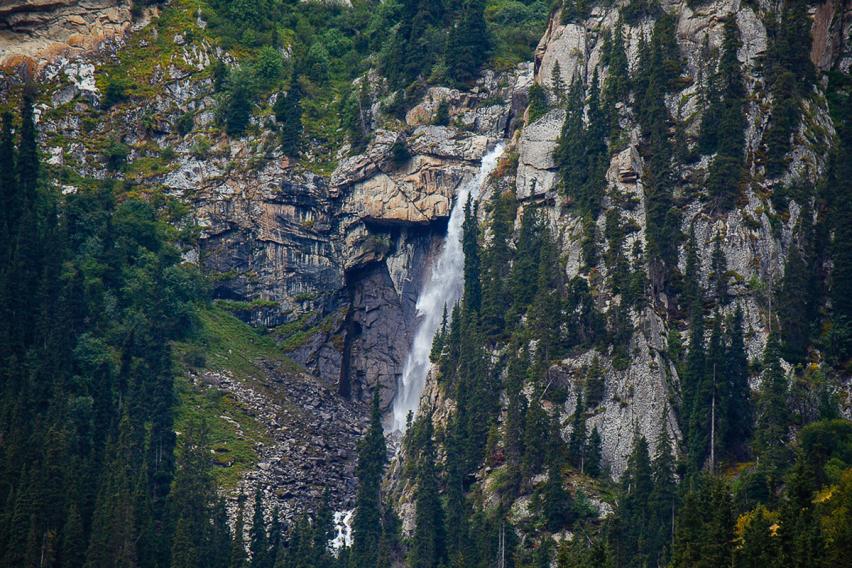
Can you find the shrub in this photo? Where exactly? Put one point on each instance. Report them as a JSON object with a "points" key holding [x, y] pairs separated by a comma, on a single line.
{"points": [[116, 153], [268, 66], [442, 115], [184, 123], [538, 102], [399, 152], [114, 93]]}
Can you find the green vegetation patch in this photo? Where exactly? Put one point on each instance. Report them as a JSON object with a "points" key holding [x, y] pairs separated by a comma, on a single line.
{"points": [[233, 434]]}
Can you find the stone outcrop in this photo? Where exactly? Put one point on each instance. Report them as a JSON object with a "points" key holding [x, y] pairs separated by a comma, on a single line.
{"points": [[642, 392], [37, 31], [345, 253]]}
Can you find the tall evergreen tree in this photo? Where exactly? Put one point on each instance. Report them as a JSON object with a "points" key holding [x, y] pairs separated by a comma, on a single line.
{"points": [[472, 264], [737, 415], [555, 500], [428, 549], [593, 454], [631, 529], [577, 441], [729, 141], [663, 499], [469, 44], [258, 540], [773, 419], [288, 111], [367, 522]]}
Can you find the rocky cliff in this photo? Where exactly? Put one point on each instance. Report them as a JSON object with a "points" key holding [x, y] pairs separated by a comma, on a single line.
{"points": [[643, 394], [331, 262]]}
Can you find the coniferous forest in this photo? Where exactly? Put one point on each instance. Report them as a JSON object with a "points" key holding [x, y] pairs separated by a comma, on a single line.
{"points": [[648, 362]]}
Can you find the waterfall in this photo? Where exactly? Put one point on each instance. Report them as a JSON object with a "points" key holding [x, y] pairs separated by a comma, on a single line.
{"points": [[444, 287]]}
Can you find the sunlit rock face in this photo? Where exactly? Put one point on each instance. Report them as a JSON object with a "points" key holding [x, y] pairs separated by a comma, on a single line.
{"points": [[38, 31]]}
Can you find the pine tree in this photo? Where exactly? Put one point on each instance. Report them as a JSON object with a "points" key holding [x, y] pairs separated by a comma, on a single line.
{"points": [[472, 298], [663, 499], [738, 415], [258, 541], [577, 441], [288, 111], [237, 111], [238, 557], [773, 420], [428, 548], [556, 502], [719, 274], [615, 88], [630, 534], [367, 523], [594, 454]]}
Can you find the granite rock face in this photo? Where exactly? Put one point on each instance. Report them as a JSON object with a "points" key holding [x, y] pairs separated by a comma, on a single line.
{"points": [[39, 30], [344, 254], [642, 391]]}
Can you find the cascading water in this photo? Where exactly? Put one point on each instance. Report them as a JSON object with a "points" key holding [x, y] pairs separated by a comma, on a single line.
{"points": [[443, 287]]}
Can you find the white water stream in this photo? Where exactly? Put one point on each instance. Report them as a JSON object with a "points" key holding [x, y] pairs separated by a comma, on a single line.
{"points": [[444, 287]]}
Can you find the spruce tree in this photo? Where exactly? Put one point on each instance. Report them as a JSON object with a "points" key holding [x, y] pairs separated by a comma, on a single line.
{"points": [[495, 289], [536, 426], [556, 502], [737, 412], [704, 533], [726, 169], [577, 441], [289, 113], [594, 454], [694, 373], [514, 424], [595, 386], [773, 418], [428, 549], [705, 410], [258, 540], [616, 85], [367, 522], [545, 314], [469, 44], [719, 274], [631, 529], [663, 499], [237, 111], [472, 297], [523, 278], [238, 557]]}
